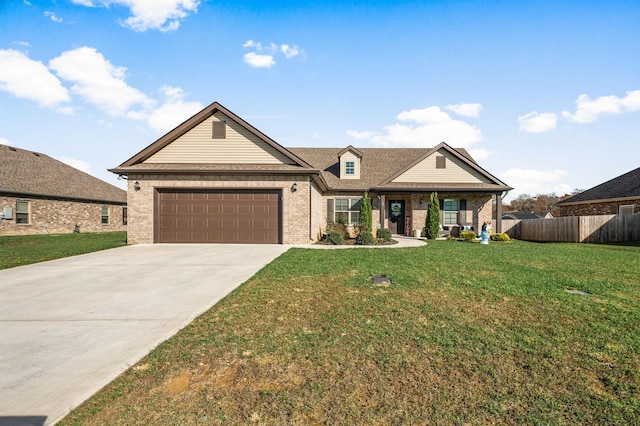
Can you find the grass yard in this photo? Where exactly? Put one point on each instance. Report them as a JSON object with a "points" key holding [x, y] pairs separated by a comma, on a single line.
{"points": [[26, 249], [468, 334]]}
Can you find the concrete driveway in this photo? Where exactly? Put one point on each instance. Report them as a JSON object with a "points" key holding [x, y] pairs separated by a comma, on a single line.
{"points": [[70, 326]]}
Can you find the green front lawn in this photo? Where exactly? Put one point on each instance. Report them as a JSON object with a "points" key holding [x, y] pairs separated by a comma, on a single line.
{"points": [[26, 249], [467, 334]]}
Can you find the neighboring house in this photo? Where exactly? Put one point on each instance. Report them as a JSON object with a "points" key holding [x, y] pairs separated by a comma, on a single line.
{"points": [[39, 194], [216, 178], [620, 195], [526, 215]]}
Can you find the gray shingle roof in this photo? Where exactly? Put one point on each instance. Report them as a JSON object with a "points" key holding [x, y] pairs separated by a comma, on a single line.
{"points": [[624, 186], [30, 173], [379, 164]]}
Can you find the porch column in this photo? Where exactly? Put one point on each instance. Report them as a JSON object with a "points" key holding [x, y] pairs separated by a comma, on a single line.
{"points": [[499, 212], [382, 210]]}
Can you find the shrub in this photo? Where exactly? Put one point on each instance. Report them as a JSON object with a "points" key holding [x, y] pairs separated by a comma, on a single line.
{"points": [[432, 224], [366, 216], [365, 239], [335, 238], [384, 234], [500, 237], [338, 227], [468, 235]]}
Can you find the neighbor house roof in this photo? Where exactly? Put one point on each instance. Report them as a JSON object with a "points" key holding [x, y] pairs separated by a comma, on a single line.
{"points": [[27, 173], [522, 215], [626, 186]]}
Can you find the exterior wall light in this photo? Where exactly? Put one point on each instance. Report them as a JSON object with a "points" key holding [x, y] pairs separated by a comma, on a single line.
{"points": [[136, 186], [294, 187]]}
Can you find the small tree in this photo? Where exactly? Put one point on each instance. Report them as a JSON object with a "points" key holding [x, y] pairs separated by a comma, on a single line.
{"points": [[366, 217], [432, 225]]}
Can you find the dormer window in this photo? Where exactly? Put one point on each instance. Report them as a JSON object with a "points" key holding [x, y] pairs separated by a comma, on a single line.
{"points": [[349, 159], [350, 168]]}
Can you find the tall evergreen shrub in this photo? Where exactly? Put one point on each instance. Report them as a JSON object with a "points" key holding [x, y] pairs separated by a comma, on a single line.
{"points": [[432, 225], [366, 217]]}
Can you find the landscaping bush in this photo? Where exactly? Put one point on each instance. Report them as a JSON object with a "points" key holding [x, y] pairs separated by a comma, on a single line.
{"points": [[500, 237], [432, 224], [384, 234], [365, 239], [338, 227], [335, 238], [468, 235]]}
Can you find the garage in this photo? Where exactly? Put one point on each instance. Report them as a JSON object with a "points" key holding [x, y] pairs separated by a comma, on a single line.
{"points": [[218, 216]]}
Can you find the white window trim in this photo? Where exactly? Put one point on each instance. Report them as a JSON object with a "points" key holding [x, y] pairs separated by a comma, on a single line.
{"points": [[350, 202]]}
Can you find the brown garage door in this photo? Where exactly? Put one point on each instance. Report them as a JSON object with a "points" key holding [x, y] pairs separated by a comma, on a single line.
{"points": [[205, 216]]}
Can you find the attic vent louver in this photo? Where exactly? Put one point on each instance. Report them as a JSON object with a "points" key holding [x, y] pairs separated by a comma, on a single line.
{"points": [[219, 130]]}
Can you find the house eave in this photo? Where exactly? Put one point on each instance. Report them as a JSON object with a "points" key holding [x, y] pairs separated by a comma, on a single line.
{"points": [[23, 194], [598, 201]]}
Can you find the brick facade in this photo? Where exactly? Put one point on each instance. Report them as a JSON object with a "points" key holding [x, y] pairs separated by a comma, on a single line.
{"points": [[479, 208], [296, 219], [51, 216], [596, 208]]}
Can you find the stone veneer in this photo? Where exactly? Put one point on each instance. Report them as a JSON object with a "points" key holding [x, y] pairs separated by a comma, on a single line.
{"points": [[51, 216], [596, 208], [296, 221]]}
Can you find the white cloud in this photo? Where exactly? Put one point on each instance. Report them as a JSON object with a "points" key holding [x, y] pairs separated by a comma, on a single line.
{"points": [[263, 56], [163, 15], [98, 82], [53, 17], [289, 51], [78, 164], [4, 141], [588, 110], [535, 122], [480, 154], [423, 128], [28, 79], [466, 110], [259, 61], [534, 182], [173, 111]]}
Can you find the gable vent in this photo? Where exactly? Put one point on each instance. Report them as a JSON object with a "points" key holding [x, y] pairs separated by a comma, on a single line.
{"points": [[219, 130], [441, 162]]}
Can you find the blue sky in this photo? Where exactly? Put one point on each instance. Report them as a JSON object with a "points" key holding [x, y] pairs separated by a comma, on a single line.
{"points": [[544, 94]]}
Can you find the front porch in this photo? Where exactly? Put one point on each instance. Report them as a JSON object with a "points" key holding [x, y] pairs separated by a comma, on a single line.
{"points": [[405, 213]]}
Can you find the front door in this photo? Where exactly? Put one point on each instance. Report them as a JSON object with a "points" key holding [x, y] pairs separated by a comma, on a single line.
{"points": [[396, 216]]}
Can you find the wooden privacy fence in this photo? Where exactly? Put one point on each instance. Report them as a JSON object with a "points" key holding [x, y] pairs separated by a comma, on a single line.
{"points": [[576, 229]]}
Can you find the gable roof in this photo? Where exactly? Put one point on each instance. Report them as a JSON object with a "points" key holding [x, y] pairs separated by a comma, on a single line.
{"points": [[626, 186], [379, 166], [27, 173], [134, 164], [355, 151]]}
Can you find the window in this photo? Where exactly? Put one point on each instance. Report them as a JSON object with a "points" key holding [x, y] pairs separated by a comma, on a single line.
{"points": [[347, 210], [22, 212], [124, 215], [350, 168], [450, 209], [105, 215], [626, 209], [441, 162]]}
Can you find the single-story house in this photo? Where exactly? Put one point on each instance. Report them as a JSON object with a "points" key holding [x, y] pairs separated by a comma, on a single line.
{"points": [[620, 195], [39, 195], [216, 178]]}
